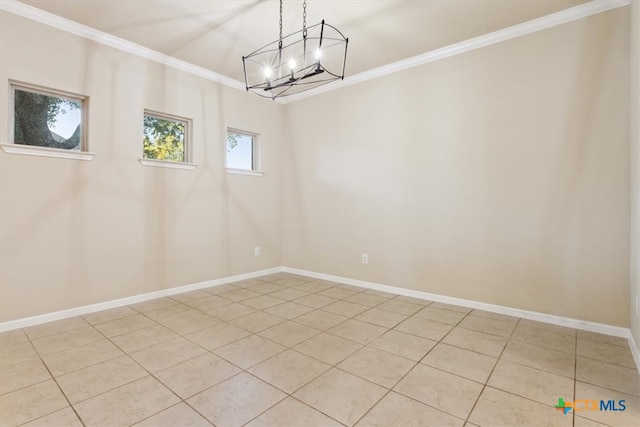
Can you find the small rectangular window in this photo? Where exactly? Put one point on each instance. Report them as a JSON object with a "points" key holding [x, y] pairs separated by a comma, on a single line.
{"points": [[242, 151], [48, 118], [165, 137]]}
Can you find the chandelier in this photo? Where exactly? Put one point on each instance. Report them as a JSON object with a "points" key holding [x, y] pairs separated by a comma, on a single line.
{"points": [[300, 61]]}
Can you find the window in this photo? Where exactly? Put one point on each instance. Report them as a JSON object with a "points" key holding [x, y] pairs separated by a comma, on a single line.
{"points": [[47, 122], [243, 152], [165, 139]]}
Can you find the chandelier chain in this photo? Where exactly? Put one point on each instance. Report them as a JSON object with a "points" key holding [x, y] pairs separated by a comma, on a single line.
{"points": [[304, 18], [280, 23]]}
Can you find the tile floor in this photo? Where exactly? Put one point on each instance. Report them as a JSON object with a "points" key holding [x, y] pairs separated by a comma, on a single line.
{"points": [[285, 350]]}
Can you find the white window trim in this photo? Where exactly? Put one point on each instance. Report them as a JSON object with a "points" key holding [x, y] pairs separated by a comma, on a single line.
{"points": [[187, 142], [167, 164], [256, 152], [35, 150], [32, 150]]}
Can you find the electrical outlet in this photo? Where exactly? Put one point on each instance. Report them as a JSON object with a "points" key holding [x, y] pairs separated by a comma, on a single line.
{"points": [[256, 251], [365, 259]]}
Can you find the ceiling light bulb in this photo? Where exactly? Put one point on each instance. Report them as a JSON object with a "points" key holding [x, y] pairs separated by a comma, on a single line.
{"points": [[318, 54], [292, 64], [267, 72]]}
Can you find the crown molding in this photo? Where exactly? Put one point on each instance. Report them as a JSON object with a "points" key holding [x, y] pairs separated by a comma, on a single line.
{"points": [[21, 9], [568, 15], [562, 17]]}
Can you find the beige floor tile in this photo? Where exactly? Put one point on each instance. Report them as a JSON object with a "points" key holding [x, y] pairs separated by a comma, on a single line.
{"points": [[179, 415], [217, 336], [444, 391], [377, 366], [345, 308], [24, 374], [495, 316], [530, 383], [341, 395], [209, 303], [402, 307], [167, 354], [30, 403], [190, 296], [221, 289], [81, 357], [266, 288], [67, 340], [608, 339], [608, 375], [17, 353], [397, 410], [236, 401], [289, 333], [357, 331], [63, 418], [314, 287], [54, 328], [544, 338], [93, 380], [289, 370], [382, 294], [315, 301], [337, 293], [498, 408], [440, 315], [385, 318], [546, 359], [292, 412], [548, 326], [289, 294], [262, 302], [124, 325], [109, 315], [366, 299], [488, 326], [143, 338], [629, 417], [247, 283], [273, 277], [609, 353], [451, 307], [153, 304], [257, 322], [239, 295], [424, 328], [171, 312], [289, 310], [406, 345], [292, 281], [353, 288], [197, 374], [15, 336], [126, 405], [249, 351], [193, 323], [462, 362], [328, 348], [585, 422], [231, 311], [321, 320], [419, 301], [491, 345]]}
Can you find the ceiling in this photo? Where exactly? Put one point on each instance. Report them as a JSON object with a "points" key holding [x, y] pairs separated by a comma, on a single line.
{"points": [[216, 34]]}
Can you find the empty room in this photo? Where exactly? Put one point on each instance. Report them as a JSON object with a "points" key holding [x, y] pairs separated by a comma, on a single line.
{"points": [[320, 213]]}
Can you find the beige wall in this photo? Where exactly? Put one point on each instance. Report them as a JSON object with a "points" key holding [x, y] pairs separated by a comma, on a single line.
{"points": [[635, 169], [500, 175], [75, 233]]}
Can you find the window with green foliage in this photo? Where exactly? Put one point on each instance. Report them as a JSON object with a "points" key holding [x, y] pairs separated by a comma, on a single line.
{"points": [[47, 118], [165, 137]]}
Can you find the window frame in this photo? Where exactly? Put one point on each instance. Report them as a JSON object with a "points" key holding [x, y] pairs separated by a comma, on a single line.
{"points": [[186, 162], [82, 153], [256, 149]]}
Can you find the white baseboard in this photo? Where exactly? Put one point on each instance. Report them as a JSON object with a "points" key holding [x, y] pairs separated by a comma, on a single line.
{"points": [[634, 350], [78, 311]]}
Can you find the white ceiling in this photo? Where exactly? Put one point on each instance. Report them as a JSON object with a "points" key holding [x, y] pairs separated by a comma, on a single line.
{"points": [[216, 34]]}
